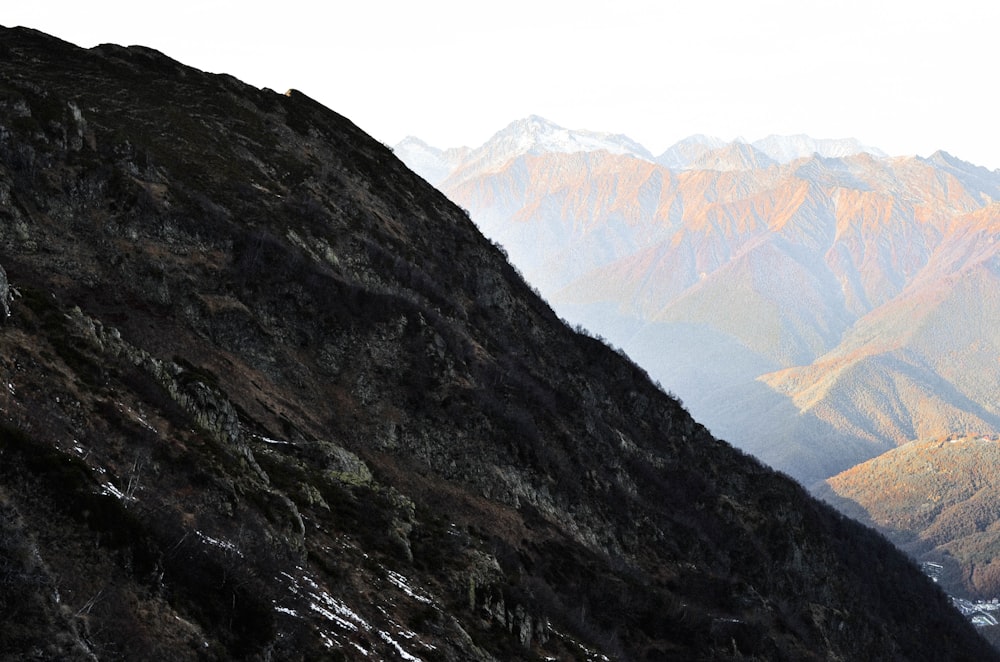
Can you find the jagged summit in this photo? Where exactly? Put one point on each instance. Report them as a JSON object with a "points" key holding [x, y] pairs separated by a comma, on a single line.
{"points": [[735, 156], [530, 135], [685, 152], [536, 135], [690, 153], [982, 181], [785, 149]]}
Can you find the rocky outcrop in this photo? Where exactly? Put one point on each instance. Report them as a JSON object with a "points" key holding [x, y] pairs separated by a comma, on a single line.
{"points": [[5, 297]]}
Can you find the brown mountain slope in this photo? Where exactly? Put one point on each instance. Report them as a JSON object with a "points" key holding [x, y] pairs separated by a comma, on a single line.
{"points": [[267, 395], [938, 500], [925, 364]]}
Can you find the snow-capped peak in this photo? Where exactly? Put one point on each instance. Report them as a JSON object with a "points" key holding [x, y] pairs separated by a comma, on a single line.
{"points": [[531, 135], [785, 149], [536, 135], [691, 151]]}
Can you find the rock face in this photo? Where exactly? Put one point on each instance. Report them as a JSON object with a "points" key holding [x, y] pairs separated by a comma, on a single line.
{"points": [[268, 395], [4, 296]]}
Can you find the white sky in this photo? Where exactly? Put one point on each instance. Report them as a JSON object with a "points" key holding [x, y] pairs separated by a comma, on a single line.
{"points": [[907, 77]]}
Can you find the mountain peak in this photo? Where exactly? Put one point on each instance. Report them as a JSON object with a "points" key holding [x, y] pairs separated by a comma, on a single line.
{"points": [[785, 149], [431, 163], [415, 142], [687, 153], [531, 135], [732, 157], [943, 158], [535, 134], [683, 153], [980, 181], [535, 124]]}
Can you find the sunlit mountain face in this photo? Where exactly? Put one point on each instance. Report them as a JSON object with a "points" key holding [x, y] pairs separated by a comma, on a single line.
{"points": [[938, 500], [814, 302]]}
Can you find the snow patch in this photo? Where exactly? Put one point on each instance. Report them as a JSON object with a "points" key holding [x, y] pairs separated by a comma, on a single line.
{"points": [[136, 416], [273, 442], [109, 489], [221, 544], [346, 619], [400, 582], [328, 641], [332, 616], [399, 649], [326, 605]]}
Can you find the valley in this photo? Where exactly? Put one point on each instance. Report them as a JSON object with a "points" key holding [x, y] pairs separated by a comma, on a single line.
{"points": [[820, 304], [816, 304]]}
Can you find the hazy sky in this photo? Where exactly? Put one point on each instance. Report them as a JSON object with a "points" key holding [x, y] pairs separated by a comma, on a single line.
{"points": [[907, 77]]}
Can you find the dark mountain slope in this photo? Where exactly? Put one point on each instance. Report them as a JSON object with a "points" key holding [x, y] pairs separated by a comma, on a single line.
{"points": [[267, 395]]}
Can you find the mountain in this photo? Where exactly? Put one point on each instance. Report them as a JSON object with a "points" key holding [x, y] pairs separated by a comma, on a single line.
{"points": [[681, 155], [937, 499], [535, 135], [734, 156], [433, 164], [266, 394], [809, 279], [699, 152], [785, 149], [532, 135]]}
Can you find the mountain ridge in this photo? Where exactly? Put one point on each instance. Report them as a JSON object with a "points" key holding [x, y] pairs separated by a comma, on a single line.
{"points": [[936, 502], [536, 134]]}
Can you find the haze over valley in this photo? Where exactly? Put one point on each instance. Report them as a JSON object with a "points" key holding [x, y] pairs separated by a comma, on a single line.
{"points": [[814, 302]]}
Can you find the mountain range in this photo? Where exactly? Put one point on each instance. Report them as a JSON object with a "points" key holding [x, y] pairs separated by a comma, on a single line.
{"points": [[537, 135], [265, 394], [814, 302]]}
